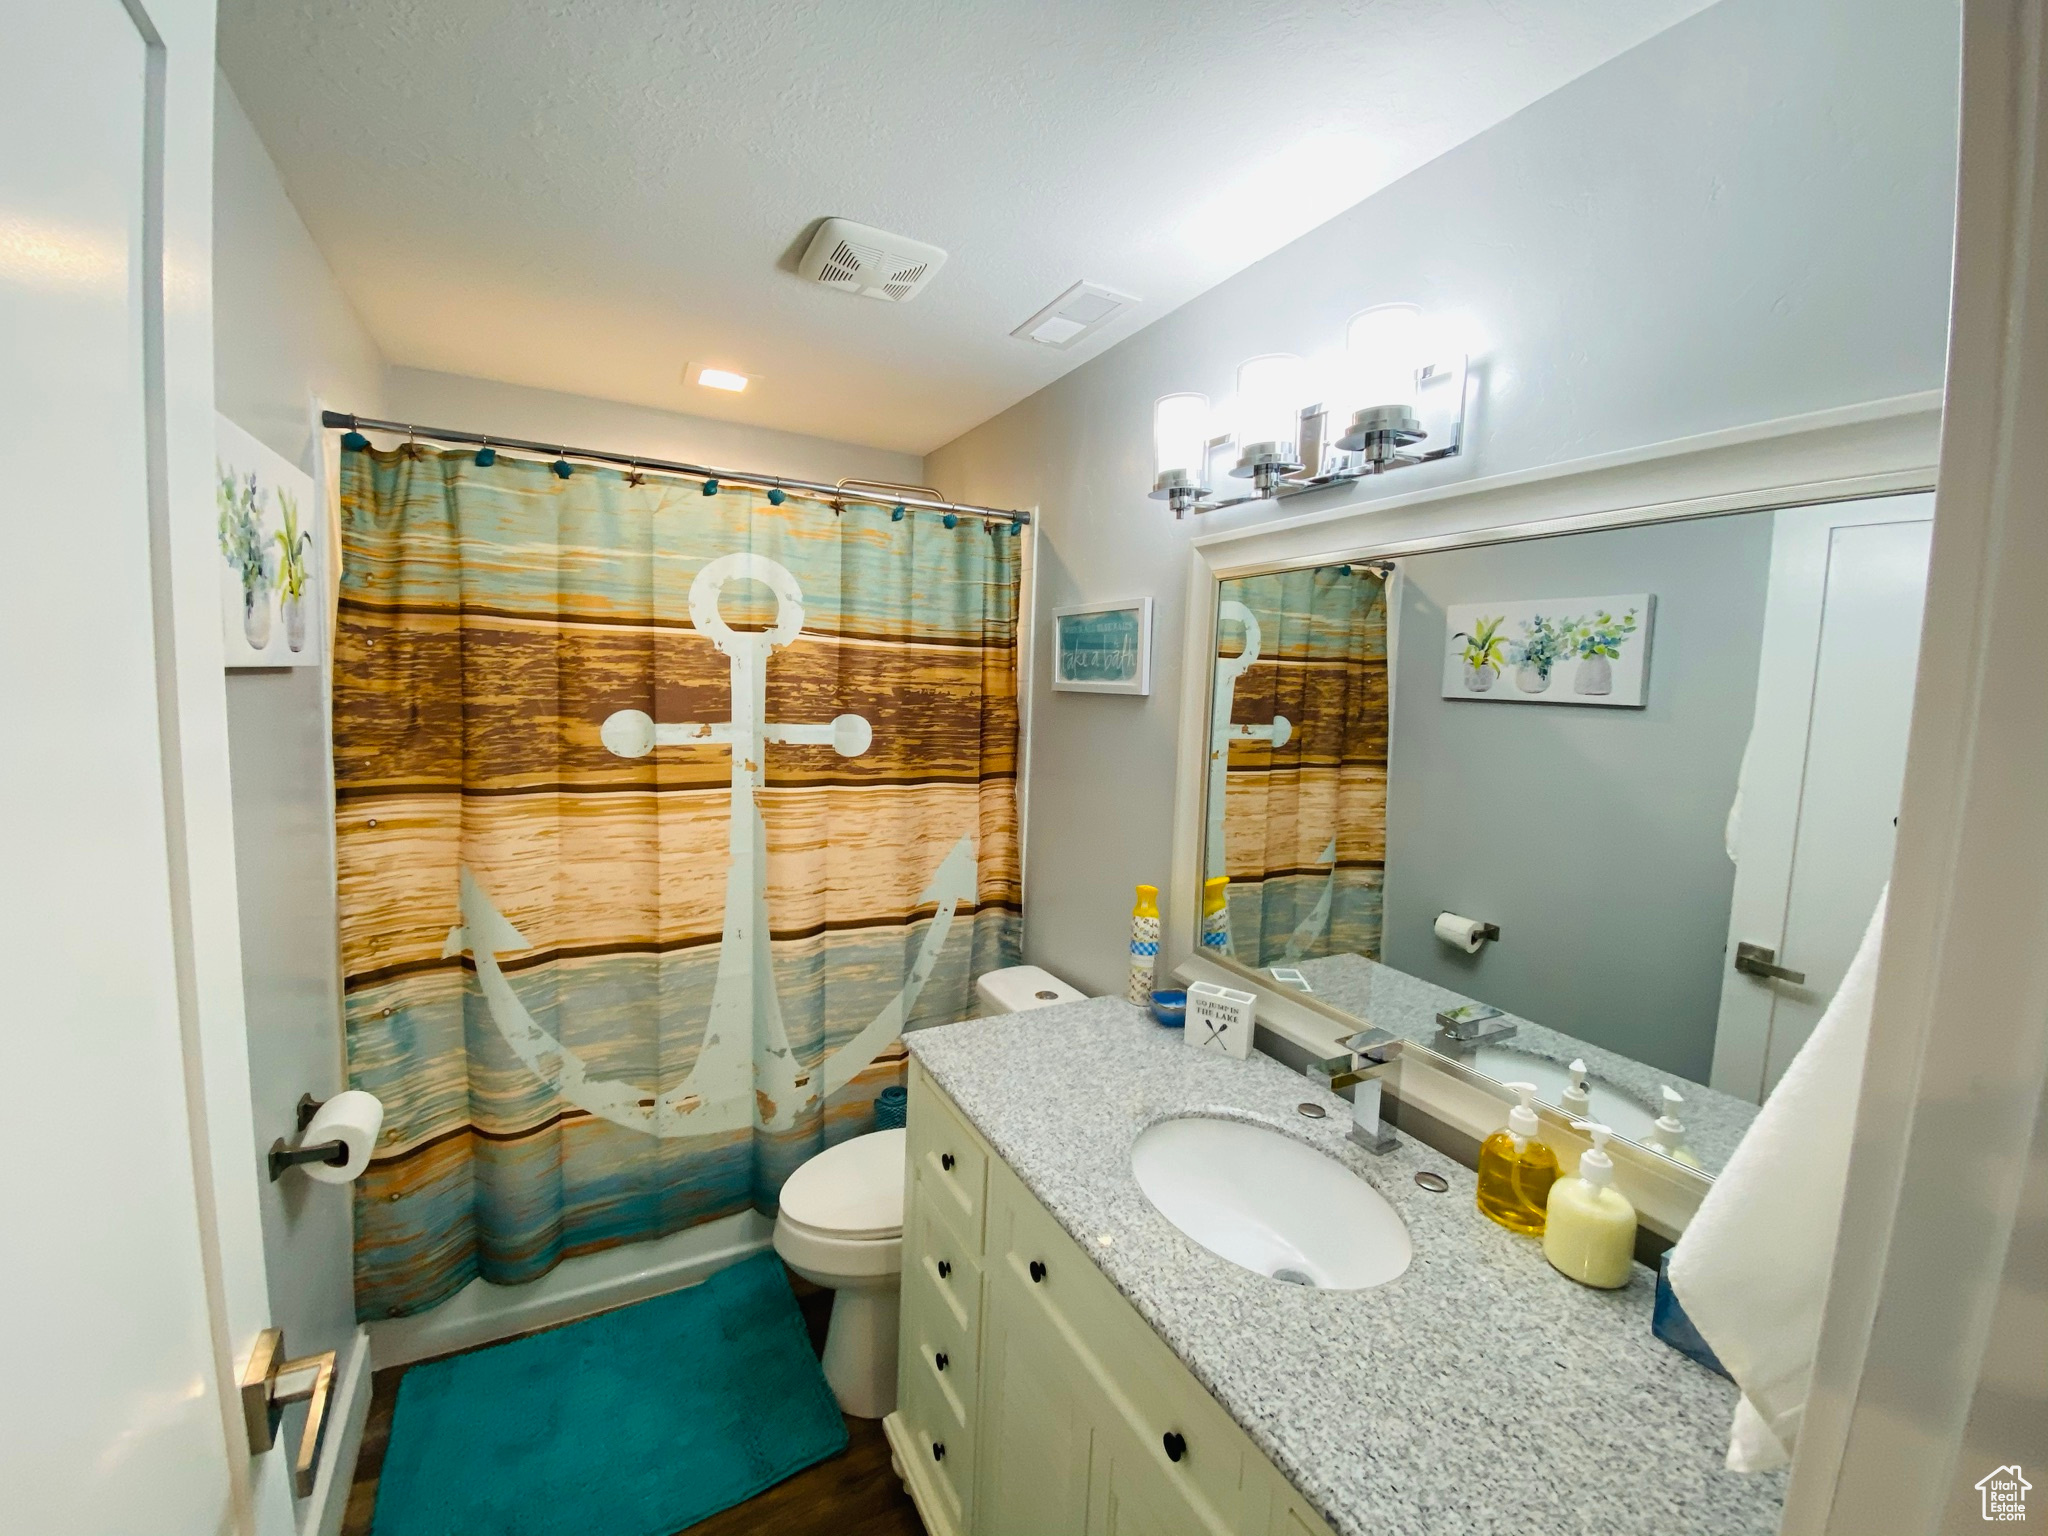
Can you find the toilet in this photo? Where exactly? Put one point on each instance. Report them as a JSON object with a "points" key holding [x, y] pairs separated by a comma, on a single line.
{"points": [[841, 1224]]}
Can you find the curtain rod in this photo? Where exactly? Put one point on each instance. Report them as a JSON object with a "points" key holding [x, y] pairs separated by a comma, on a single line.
{"points": [[845, 490]]}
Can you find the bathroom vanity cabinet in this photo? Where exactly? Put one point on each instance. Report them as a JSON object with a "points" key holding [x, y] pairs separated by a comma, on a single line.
{"points": [[1031, 1397]]}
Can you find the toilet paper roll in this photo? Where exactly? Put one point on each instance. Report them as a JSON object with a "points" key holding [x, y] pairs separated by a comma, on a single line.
{"points": [[1460, 932], [353, 1118]]}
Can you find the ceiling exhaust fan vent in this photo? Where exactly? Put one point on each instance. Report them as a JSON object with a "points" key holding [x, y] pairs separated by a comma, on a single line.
{"points": [[1081, 311], [855, 258]]}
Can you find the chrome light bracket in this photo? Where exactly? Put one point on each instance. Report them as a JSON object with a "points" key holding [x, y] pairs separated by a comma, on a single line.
{"points": [[1376, 443], [1178, 490]]}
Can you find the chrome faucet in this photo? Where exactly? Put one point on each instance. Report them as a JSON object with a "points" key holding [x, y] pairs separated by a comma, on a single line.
{"points": [[1460, 1031], [1372, 1055]]}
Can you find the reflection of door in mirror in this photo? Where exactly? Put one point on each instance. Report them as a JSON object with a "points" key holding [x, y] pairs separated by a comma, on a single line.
{"points": [[1297, 763], [1813, 828]]}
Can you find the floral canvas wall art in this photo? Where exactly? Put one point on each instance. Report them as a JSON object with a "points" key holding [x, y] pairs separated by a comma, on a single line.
{"points": [[1561, 650], [266, 517]]}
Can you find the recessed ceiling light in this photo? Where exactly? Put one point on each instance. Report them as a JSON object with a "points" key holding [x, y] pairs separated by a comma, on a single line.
{"points": [[721, 378]]}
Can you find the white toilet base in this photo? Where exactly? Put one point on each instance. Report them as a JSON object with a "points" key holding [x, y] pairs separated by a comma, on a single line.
{"points": [[860, 1349]]}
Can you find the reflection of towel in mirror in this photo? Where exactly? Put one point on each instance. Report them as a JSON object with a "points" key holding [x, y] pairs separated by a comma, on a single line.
{"points": [[1752, 1268]]}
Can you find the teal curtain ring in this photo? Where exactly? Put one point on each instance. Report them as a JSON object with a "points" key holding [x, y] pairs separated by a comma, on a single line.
{"points": [[710, 487], [563, 469], [486, 456], [952, 521], [777, 496], [354, 442], [896, 514]]}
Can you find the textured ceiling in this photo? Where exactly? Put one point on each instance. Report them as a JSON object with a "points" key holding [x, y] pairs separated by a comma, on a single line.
{"points": [[588, 195]]}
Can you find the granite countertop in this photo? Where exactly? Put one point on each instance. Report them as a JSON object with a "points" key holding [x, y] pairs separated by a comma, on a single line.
{"points": [[1407, 1006], [1479, 1392]]}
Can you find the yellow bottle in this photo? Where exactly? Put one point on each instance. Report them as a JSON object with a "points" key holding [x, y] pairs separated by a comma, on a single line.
{"points": [[1592, 1232], [1144, 945], [1516, 1170], [1216, 914]]}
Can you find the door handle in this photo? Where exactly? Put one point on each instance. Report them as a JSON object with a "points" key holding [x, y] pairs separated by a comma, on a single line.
{"points": [[1761, 960], [268, 1388]]}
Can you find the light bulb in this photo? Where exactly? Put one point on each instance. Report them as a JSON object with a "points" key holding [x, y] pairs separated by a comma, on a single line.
{"points": [[1180, 436], [1384, 347], [1269, 397]]}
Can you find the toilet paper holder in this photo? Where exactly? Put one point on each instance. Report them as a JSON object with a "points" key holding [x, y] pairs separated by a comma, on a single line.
{"points": [[332, 1153]]}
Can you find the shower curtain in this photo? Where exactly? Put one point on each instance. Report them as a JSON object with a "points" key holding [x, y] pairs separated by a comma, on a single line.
{"points": [[660, 815], [1304, 826]]}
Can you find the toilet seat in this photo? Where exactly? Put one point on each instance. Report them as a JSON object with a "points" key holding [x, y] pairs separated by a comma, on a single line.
{"points": [[849, 1193]]}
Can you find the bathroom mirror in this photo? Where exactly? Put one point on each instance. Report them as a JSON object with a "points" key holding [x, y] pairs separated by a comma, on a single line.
{"points": [[1624, 797]]}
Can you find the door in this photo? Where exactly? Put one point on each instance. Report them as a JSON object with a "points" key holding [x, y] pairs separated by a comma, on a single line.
{"points": [[1037, 1407], [119, 1350], [1819, 799]]}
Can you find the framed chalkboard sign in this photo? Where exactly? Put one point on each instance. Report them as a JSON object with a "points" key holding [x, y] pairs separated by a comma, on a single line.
{"points": [[1103, 647]]}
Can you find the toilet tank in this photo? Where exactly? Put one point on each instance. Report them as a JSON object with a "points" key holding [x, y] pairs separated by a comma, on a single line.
{"points": [[1015, 988]]}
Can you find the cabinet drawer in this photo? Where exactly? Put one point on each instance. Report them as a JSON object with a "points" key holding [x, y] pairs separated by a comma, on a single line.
{"points": [[950, 1157], [938, 1269], [941, 1437], [941, 1316], [1180, 1427]]}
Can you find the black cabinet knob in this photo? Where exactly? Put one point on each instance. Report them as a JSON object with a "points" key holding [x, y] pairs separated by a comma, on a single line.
{"points": [[945, 1268], [938, 1450], [1176, 1445], [1037, 1271], [940, 1360], [946, 1161]]}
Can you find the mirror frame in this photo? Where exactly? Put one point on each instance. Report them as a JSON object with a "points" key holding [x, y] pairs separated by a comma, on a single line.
{"points": [[1880, 448]]}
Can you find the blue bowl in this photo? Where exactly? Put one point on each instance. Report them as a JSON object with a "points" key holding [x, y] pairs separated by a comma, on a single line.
{"points": [[1170, 1008]]}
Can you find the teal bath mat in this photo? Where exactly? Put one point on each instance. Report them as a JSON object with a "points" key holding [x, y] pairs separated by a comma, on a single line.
{"points": [[637, 1422]]}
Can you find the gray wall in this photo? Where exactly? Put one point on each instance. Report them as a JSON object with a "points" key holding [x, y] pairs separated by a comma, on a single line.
{"points": [[283, 335], [286, 337], [1591, 835], [455, 401], [1746, 217]]}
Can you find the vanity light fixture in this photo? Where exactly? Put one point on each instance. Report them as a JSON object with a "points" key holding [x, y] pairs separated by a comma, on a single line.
{"points": [[1383, 350], [1399, 391], [1269, 399], [1180, 450]]}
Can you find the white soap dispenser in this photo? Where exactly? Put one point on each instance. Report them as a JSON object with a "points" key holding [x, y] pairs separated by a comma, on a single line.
{"points": [[1668, 1134], [1590, 1230], [1576, 1101]]}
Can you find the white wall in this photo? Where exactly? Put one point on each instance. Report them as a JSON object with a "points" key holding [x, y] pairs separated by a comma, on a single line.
{"points": [[458, 403], [1746, 217]]}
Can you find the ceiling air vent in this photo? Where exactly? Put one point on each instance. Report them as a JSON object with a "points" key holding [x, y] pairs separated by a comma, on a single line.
{"points": [[1081, 311], [856, 258]]}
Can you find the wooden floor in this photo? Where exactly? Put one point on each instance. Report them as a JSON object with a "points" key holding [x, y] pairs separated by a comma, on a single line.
{"points": [[853, 1494]]}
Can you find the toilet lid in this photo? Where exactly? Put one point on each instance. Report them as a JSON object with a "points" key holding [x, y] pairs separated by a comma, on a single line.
{"points": [[852, 1190]]}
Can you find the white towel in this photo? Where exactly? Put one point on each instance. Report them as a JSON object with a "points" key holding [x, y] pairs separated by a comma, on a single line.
{"points": [[1752, 1268]]}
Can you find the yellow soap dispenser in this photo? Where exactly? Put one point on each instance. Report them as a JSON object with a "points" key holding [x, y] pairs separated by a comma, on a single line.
{"points": [[1592, 1231], [1516, 1170]]}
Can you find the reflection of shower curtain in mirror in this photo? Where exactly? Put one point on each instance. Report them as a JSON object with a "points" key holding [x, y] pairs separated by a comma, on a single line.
{"points": [[1305, 824], [658, 815]]}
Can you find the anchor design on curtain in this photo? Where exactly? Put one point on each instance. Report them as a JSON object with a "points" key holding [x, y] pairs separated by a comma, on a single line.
{"points": [[1226, 733], [745, 1073]]}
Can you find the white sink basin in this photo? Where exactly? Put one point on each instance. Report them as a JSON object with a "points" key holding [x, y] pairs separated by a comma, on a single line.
{"points": [[1271, 1204]]}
